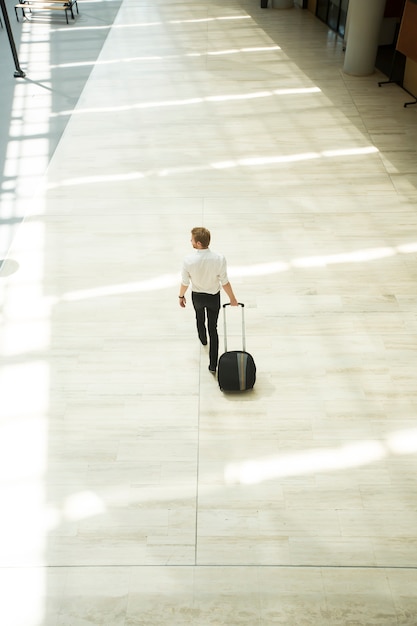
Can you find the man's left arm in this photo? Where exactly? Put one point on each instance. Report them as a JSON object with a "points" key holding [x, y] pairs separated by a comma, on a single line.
{"points": [[225, 283], [228, 289]]}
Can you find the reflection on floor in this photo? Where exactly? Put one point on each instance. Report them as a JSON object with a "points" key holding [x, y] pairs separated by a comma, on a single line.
{"points": [[134, 492]]}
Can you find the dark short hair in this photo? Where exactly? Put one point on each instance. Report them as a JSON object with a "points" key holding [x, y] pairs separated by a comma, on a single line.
{"points": [[202, 235]]}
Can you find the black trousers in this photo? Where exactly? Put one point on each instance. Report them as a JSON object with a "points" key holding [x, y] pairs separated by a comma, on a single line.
{"points": [[207, 303]]}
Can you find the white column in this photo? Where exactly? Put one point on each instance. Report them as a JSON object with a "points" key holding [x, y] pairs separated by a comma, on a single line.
{"points": [[364, 25]]}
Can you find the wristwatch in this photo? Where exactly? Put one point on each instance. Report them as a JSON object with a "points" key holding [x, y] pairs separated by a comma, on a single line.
{"points": [[181, 297]]}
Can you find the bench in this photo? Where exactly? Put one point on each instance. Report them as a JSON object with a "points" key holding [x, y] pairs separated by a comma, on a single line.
{"points": [[46, 5]]}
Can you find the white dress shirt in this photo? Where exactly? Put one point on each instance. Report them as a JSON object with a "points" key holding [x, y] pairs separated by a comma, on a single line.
{"points": [[206, 270]]}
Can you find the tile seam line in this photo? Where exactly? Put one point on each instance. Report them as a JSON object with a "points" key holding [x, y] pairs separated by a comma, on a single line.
{"points": [[206, 565], [197, 477]]}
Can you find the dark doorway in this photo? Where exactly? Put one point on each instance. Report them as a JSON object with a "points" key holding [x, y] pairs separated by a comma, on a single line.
{"points": [[388, 60], [333, 13]]}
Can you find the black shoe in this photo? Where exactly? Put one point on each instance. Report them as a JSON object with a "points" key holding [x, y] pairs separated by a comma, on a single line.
{"points": [[212, 369], [204, 341]]}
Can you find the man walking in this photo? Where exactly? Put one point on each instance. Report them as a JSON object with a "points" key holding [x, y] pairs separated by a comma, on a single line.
{"points": [[207, 273]]}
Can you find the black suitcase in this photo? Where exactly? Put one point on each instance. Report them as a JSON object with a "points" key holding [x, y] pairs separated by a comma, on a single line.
{"points": [[236, 369]]}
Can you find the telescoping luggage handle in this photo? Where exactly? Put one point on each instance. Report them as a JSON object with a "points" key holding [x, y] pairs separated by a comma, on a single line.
{"points": [[243, 325]]}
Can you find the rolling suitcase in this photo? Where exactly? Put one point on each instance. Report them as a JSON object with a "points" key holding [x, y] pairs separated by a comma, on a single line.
{"points": [[236, 369]]}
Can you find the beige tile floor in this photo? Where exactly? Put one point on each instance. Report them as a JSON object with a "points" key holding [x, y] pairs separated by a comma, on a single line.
{"points": [[133, 491]]}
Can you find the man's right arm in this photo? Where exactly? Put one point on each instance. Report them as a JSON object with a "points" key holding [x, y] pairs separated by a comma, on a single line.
{"points": [[185, 282]]}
